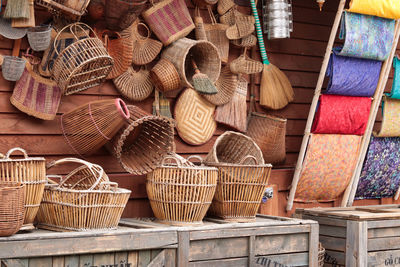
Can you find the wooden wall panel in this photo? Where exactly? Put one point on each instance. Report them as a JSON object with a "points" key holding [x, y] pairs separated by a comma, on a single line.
{"points": [[300, 57]]}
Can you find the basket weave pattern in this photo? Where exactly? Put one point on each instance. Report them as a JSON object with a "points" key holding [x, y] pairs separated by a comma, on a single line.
{"points": [[164, 76], [11, 207]]}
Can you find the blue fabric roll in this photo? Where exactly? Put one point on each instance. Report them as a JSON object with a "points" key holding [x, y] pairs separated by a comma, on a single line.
{"points": [[352, 76], [395, 93]]}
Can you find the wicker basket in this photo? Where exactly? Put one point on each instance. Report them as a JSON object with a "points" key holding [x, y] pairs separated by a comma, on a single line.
{"points": [[226, 85], [120, 14], [269, 132], [73, 8], [134, 85], [230, 148], [170, 20], [31, 172], [11, 207], [216, 34], [240, 189], [12, 68], [204, 53], [79, 205], [141, 146], [39, 37], [83, 64], [146, 48], [181, 195], [164, 76]]}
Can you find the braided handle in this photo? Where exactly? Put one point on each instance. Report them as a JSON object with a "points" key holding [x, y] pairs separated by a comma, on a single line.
{"points": [[259, 33]]}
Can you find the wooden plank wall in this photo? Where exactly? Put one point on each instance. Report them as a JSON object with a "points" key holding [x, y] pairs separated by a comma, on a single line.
{"points": [[299, 57]]}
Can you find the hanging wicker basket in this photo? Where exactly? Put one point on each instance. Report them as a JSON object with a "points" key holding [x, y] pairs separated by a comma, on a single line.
{"points": [[31, 172], [204, 53], [230, 148], [240, 189], [146, 48], [164, 76], [83, 64], [12, 68], [73, 8], [79, 202], [180, 194], [39, 37], [141, 146], [11, 207]]}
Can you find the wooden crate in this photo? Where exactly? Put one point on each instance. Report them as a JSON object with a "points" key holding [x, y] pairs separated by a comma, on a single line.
{"points": [[127, 246], [358, 236]]}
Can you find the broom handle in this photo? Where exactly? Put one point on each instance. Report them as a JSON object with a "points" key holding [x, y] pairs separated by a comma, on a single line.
{"points": [[351, 190], [314, 103], [259, 33]]}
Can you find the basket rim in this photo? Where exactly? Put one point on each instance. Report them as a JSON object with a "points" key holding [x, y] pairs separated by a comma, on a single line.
{"points": [[119, 190], [200, 168], [227, 164]]}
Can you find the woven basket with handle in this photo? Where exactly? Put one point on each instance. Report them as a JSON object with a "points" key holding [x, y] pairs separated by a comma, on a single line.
{"points": [[134, 84], [78, 202], [11, 207], [240, 189], [181, 193]]}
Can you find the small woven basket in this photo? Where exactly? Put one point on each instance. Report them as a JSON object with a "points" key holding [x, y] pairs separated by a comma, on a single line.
{"points": [[12, 68], [230, 148], [79, 203], [31, 172], [216, 34], [39, 37], [226, 85], [11, 207], [83, 64], [204, 53], [146, 48], [134, 85], [269, 132], [240, 189], [170, 20], [73, 8], [180, 194], [141, 146], [164, 76]]}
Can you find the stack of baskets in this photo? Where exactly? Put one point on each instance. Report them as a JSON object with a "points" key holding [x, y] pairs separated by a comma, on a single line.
{"points": [[31, 172], [84, 199], [180, 193]]}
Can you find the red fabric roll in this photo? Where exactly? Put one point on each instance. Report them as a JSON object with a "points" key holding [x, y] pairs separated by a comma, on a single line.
{"points": [[342, 115]]}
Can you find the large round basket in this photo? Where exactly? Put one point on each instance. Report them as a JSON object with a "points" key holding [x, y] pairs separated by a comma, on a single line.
{"points": [[240, 189], [83, 64], [230, 148], [180, 194], [11, 207], [142, 144], [204, 53], [31, 172], [81, 204]]}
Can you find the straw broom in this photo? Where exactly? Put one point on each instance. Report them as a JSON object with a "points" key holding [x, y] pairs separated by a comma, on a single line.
{"points": [[202, 83], [17, 9], [275, 89]]}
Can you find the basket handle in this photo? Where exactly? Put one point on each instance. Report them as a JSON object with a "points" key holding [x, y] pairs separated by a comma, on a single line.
{"points": [[249, 157], [69, 160], [109, 186], [177, 161], [212, 17], [12, 150], [141, 36], [53, 176], [76, 24], [196, 157]]}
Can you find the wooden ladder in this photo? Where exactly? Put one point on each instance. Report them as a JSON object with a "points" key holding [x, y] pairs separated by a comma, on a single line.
{"points": [[350, 192]]}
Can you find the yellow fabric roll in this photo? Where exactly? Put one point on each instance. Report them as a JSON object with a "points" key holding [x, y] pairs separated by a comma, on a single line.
{"points": [[391, 118], [382, 8]]}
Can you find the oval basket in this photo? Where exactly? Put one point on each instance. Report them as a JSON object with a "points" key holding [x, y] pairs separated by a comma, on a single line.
{"points": [[141, 146], [181, 195], [83, 64], [230, 148], [240, 189], [204, 53], [11, 207], [164, 76]]}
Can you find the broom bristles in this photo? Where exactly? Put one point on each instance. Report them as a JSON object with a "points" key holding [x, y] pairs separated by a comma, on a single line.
{"points": [[17, 9], [275, 89], [234, 113], [203, 85]]}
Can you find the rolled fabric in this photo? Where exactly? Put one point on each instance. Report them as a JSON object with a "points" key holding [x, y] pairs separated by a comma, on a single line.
{"points": [[391, 118], [352, 76], [395, 93], [382, 8], [342, 115], [366, 36], [328, 166], [380, 175]]}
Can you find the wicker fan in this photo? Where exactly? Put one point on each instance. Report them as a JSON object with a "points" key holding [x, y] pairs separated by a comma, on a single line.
{"points": [[146, 49], [134, 85], [90, 126]]}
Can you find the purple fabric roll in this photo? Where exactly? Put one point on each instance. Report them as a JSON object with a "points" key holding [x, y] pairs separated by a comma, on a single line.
{"points": [[352, 76]]}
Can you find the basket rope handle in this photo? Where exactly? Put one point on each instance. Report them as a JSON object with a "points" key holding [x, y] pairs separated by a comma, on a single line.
{"points": [[213, 19], [249, 157], [177, 161], [196, 157], [76, 24], [12, 150], [138, 35]]}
